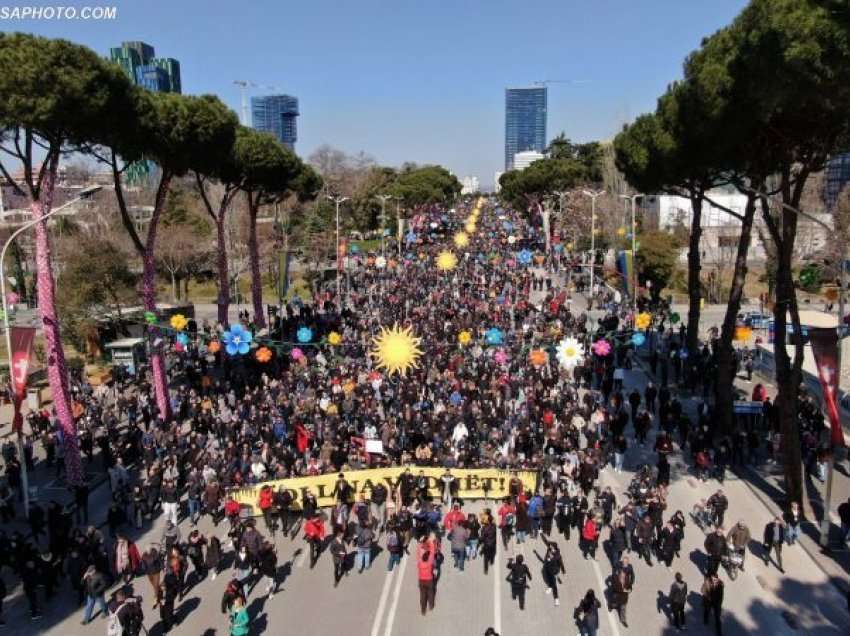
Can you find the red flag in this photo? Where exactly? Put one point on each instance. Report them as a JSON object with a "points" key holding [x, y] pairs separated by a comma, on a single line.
{"points": [[825, 349], [21, 339]]}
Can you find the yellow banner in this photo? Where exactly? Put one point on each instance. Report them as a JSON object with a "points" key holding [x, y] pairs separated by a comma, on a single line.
{"points": [[473, 483]]}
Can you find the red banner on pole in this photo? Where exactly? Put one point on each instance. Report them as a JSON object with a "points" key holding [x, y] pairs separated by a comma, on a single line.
{"points": [[825, 349], [21, 339]]}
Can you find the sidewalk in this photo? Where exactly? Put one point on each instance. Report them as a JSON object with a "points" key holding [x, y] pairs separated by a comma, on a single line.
{"points": [[765, 481]]}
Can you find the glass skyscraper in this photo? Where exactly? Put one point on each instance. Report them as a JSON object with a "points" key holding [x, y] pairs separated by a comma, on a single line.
{"points": [[525, 121], [278, 115]]}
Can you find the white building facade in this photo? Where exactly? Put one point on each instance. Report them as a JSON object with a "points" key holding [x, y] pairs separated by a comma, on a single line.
{"points": [[525, 158], [470, 185]]}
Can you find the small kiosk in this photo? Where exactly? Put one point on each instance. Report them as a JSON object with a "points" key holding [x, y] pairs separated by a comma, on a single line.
{"points": [[128, 352]]}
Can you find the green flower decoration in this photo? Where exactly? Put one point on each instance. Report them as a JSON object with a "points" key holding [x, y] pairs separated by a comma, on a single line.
{"points": [[674, 317], [150, 317]]}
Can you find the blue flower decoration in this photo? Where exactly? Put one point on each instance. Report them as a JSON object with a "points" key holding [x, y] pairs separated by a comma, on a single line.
{"points": [[237, 340], [558, 247], [683, 353], [524, 257], [355, 249], [638, 338], [507, 226], [494, 336], [304, 334], [410, 237], [183, 339]]}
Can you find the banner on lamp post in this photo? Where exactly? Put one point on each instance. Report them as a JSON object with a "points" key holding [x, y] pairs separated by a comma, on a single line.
{"points": [[21, 339], [825, 349]]}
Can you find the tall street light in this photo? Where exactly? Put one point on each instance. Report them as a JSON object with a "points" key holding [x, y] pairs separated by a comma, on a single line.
{"points": [[593, 196], [83, 194], [633, 198], [337, 201], [383, 198], [399, 229]]}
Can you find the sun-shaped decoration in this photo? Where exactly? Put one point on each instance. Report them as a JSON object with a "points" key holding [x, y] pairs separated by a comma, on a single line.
{"points": [[538, 357], [179, 322], [643, 320], [214, 346], [396, 349], [263, 354], [570, 352], [470, 227], [621, 231], [461, 239], [464, 337], [334, 338], [446, 261]]}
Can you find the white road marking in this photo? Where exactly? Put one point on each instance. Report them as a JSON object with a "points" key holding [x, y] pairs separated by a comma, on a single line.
{"points": [[497, 597], [391, 616], [612, 622], [376, 624]]}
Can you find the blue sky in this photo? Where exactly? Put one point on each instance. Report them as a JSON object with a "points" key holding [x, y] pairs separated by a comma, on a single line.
{"points": [[414, 80]]}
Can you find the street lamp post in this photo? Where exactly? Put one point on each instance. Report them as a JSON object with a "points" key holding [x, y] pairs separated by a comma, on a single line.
{"points": [[398, 222], [337, 201], [593, 196], [633, 198], [383, 198], [10, 240]]}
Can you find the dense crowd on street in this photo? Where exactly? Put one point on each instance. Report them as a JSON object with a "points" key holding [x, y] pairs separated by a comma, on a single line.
{"points": [[237, 421]]}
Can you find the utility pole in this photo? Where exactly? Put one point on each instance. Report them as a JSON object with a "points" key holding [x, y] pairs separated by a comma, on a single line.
{"points": [[337, 201], [399, 228], [633, 198], [383, 198], [593, 196]]}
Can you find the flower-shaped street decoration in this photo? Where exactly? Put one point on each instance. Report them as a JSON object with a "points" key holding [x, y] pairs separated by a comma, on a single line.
{"points": [[461, 239], [183, 339], [538, 357], [396, 349], [494, 336], [524, 257], [464, 337], [511, 239], [334, 339], [446, 261], [643, 320], [179, 322], [602, 348], [178, 347], [304, 334], [570, 352], [470, 227], [237, 340], [638, 339], [263, 354], [674, 318], [150, 317], [297, 354], [214, 346], [380, 262], [500, 356]]}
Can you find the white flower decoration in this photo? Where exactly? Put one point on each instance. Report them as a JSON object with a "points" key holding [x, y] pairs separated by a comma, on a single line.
{"points": [[570, 352]]}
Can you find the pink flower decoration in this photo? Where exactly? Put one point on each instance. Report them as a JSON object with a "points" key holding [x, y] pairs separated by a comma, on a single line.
{"points": [[500, 356], [297, 354], [178, 347], [12, 298], [602, 348], [510, 262]]}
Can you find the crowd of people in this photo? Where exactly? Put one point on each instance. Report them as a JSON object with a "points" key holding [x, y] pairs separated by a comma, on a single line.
{"points": [[237, 421]]}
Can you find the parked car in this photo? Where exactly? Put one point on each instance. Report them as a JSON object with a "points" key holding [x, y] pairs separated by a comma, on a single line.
{"points": [[756, 320]]}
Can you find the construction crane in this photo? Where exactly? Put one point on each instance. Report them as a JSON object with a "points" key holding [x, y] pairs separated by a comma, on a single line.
{"points": [[243, 89], [545, 82]]}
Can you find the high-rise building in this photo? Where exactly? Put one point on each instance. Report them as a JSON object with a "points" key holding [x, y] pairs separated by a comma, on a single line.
{"points": [[161, 74], [278, 115], [470, 185], [496, 176], [525, 121], [837, 178]]}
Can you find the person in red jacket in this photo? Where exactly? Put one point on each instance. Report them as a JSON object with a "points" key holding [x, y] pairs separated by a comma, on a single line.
{"points": [[314, 534], [426, 558], [454, 517], [267, 508], [507, 520], [589, 537], [231, 509]]}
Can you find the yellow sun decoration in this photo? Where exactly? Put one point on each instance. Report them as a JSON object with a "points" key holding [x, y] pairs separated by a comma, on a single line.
{"points": [[396, 350]]}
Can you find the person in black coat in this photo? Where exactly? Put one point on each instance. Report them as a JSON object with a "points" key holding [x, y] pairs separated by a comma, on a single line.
{"points": [[170, 590], [518, 576], [774, 536], [553, 565], [617, 542]]}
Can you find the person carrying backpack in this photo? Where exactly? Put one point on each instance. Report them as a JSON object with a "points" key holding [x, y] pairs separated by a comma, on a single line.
{"points": [[126, 617]]}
